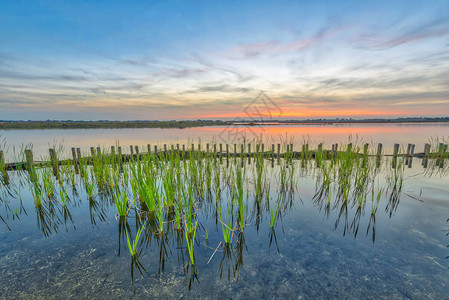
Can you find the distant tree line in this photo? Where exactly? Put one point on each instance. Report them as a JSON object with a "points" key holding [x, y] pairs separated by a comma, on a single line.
{"points": [[106, 124], [70, 124]]}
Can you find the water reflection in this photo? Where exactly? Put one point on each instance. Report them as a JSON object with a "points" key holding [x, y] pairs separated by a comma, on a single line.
{"points": [[350, 190]]}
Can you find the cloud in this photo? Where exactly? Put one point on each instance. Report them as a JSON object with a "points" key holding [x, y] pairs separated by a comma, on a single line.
{"points": [[245, 51], [224, 88], [436, 28]]}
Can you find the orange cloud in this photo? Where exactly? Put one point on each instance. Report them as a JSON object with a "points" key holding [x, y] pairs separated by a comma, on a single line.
{"points": [[311, 114]]}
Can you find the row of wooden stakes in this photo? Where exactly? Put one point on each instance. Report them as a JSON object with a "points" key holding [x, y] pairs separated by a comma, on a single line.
{"points": [[183, 152]]}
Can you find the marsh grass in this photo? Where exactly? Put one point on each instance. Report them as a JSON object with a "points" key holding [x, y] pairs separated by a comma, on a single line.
{"points": [[173, 192]]}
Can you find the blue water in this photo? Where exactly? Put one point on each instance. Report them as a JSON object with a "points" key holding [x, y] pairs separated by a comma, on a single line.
{"points": [[307, 255]]}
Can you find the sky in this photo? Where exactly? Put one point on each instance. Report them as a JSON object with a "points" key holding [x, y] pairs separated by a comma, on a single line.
{"points": [[164, 60]]}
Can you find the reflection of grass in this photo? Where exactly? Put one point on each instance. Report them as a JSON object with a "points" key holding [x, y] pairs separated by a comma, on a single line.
{"points": [[176, 191], [226, 222], [275, 213], [132, 247], [63, 195], [132, 243]]}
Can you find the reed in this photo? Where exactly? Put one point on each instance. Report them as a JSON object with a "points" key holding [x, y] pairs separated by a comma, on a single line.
{"points": [[226, 220], [239, 194], [172, 188], [63, 195], [120, 194], [190, 233]]}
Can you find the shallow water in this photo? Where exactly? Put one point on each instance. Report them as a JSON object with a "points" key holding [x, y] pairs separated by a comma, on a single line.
{"points": [[388, 134], [311, 253]]}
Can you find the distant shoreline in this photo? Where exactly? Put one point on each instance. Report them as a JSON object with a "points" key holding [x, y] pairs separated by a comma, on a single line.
{"points": [[202, 123]]}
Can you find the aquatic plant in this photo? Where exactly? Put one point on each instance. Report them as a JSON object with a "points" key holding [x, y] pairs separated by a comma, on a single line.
{"points": [[120, 195], [190, 232], [63, 194]]}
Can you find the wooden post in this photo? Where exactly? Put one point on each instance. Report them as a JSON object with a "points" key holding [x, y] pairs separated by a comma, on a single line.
{"points": [[149, 148], [365, 149], [349, 148], [412, 151], [409, 148], [74, 155], [112, 150], [425, 158], [263, 146], [120, 159], [165, 148], [442, 155], [396, 150], [78, 154], [320, 147], [235, 150], [425, 161], [131, 148], [227, 150], [75, 163], [207, 147], [193, 148], [53, 161], [257, 148], [155, 149], [52, 155], [183, 150], [410, 161], [241, 150], [98, 151], [249, 150], [177, 147], [215, 149], [379, 150], [137, 149], [279, 149], [426, 150], [29, 157], [92, 151], [272, 151]]}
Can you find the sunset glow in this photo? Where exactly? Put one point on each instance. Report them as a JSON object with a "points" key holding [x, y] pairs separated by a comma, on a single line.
{"points": [[188, 60]]}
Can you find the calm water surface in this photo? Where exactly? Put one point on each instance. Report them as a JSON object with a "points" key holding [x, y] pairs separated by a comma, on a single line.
{"points": [[388, 134], [313, 252]]}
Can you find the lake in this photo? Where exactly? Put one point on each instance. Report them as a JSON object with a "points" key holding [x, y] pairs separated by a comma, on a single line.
{"points": [[388, 134], [349, 226]]}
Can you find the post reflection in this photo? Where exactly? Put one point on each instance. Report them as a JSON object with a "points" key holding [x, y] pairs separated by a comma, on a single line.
{"points": [[171, 202]]}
